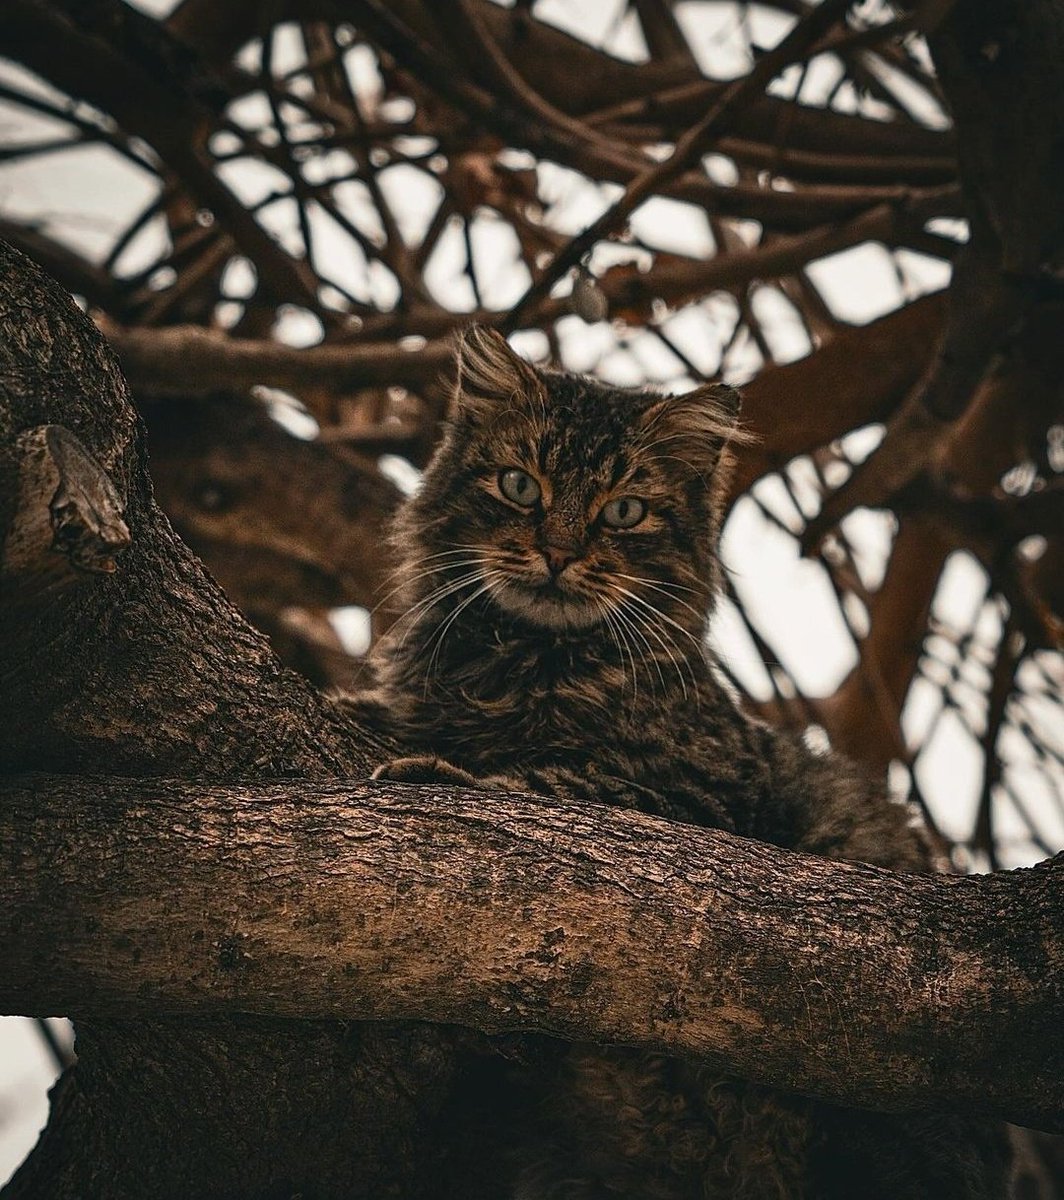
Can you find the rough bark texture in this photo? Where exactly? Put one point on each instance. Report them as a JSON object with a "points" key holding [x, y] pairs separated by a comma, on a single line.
{"points": [[149, 671], [317, 542], [384, 901]]}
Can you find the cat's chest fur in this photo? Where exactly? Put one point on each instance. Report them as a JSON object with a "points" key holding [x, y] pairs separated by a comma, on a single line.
{"points": [[510, 704], [500, 700]]}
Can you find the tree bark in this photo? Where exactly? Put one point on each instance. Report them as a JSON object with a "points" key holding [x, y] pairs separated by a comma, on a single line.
{"points": [[149, 670], [377, 901]]}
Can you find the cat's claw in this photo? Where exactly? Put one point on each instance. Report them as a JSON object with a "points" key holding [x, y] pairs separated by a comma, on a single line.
{"points": [[424, 768]]}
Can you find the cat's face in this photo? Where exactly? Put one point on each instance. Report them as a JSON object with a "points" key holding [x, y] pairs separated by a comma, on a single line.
{"points": [[569, 503]]}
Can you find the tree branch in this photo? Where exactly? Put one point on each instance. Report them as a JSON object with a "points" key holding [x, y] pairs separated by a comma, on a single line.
{"points": [[694, 142], [191, 360], [72, 52], [149, 670], [857, 378], [516, 913], [1000, 70]]}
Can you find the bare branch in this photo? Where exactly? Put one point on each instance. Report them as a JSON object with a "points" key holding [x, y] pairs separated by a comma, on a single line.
{"points": [[696, 141], [519, 913], [189, 359]]}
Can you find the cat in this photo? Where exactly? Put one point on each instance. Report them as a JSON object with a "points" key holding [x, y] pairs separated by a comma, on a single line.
{"points": [[558, 569]]}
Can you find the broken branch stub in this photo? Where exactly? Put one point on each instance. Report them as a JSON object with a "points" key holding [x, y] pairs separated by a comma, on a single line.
{"points": [[69, 521]]}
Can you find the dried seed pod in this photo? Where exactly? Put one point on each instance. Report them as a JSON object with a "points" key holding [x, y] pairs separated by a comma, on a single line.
{"points": [[588, 300]]}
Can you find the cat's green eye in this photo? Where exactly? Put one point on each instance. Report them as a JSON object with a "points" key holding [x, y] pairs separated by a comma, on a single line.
{"points": [[519, 487], [624, 512]]}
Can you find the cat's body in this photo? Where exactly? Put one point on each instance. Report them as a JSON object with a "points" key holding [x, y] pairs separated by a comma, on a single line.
{"points": [[559, 566], [558, 712]]}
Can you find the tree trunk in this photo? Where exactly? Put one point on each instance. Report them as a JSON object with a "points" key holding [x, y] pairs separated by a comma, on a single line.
{"points": [[146, 669]]}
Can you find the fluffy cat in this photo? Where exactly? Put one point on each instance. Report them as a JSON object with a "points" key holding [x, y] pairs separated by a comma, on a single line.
{"points": [[558, 570]]}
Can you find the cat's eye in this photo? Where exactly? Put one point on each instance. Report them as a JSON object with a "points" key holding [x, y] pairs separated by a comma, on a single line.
{"points": [[624, 512], [519, 486]]}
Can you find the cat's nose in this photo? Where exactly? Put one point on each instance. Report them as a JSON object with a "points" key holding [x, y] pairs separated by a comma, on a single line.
{"points": [[559, 557]]}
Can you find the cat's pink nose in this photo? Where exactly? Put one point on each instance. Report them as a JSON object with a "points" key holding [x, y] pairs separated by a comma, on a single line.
{"points": [[559, 557]]}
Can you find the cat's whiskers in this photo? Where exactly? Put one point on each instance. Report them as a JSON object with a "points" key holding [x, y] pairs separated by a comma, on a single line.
{"points": [[406, 564], [470, 580], [608, 620], [683, 438], [664, 583], [641, 622], [648, 618], [690, 466], [512, 561], [416, 612], [514, 568], [620, 640], [699, 645], [536, 430], [437, 638], [664, 588], [428, 572], [447, 583], [631, 631], [634, 622], [402, 572], [681, 663]]}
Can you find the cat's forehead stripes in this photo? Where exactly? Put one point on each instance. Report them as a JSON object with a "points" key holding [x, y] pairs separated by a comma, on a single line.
{"points": [[588, 428], [585, 443]]}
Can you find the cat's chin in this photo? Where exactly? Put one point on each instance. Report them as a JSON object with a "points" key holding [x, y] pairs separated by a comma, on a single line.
{"points": [[549, 609]]}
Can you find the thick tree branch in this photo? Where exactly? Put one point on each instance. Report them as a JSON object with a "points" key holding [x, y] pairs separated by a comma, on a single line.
{"points": [[73, 270], [857, 378], [149, 670], [384, 901]]}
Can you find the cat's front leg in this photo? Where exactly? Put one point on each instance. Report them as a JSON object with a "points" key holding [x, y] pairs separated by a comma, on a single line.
{"points": [[425, 768]]}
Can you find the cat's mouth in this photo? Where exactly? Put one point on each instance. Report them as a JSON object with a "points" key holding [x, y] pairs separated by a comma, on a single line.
{"points": [[552, 602]]}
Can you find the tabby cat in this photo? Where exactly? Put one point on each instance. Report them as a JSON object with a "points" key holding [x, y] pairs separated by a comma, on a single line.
{"points": [[558, 570]]}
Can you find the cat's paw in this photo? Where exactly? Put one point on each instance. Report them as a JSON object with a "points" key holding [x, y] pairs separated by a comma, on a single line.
{"points": [[424, 768]]}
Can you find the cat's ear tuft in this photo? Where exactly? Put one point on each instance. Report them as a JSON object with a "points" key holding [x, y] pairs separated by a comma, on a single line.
{"points": [[706, 419], [711, 410], [488, 373]]}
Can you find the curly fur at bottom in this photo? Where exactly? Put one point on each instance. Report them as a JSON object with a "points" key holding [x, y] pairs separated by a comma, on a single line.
{"points": [[679, 1132], [669, 1134]]}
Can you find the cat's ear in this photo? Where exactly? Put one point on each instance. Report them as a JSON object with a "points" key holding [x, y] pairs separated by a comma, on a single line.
{"points": [[488, 373], [705, 420]]}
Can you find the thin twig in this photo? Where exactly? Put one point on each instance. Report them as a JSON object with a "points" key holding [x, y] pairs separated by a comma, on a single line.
{"points": [[689, 147]]}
